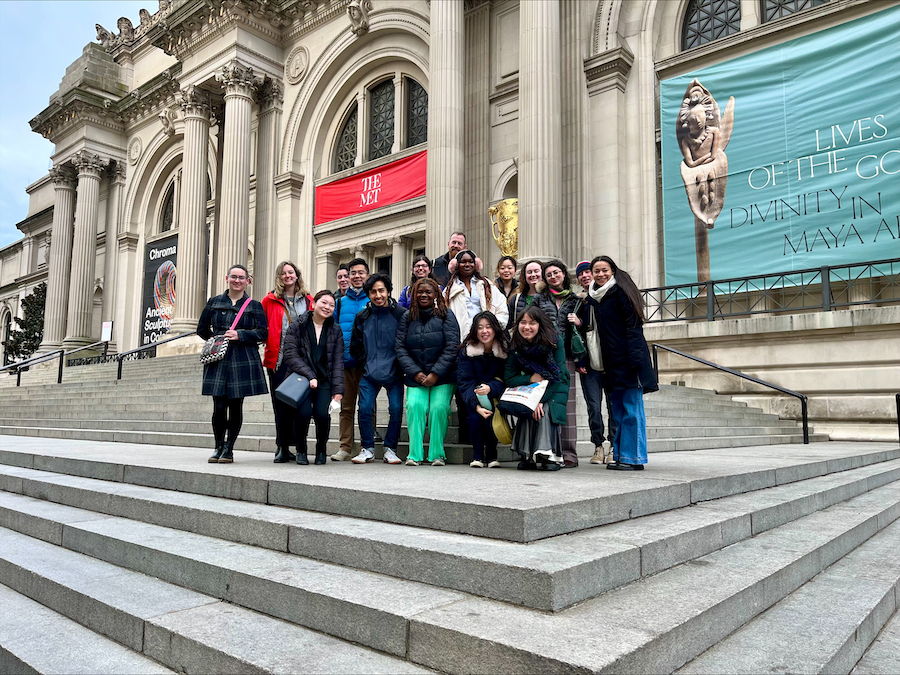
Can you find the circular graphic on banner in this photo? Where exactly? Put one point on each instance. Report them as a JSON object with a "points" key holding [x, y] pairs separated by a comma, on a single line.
{"points": [[296, 64], [164, 290], [135, 148]]}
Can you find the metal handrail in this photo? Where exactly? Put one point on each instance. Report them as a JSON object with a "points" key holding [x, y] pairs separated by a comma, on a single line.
{"points": [[804, 402], [121, 357], [898, 414], [61, 354]]}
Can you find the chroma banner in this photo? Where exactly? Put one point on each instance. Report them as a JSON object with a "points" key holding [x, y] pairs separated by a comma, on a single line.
{"points": [[787, 158], [388, 184], [158, 306]]}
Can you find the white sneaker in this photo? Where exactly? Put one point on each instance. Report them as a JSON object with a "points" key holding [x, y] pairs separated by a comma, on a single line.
{"points": [[494, 465], [598, 455], [438, 462], [477, 463], [411, 462], [607, 452], [365, 455], [390, 457], [340, 456]]}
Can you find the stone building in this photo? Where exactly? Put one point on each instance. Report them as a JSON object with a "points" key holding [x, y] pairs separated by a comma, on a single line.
{"points": [[202, 135]]}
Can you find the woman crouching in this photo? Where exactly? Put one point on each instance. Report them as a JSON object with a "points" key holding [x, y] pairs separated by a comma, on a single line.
{"points": [[537, 355]]}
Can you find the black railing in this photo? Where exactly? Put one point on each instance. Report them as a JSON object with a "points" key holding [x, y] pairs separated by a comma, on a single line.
{"points": [[822, 288], [804, 403], [136, 354], [61, 354], [898, 414]]}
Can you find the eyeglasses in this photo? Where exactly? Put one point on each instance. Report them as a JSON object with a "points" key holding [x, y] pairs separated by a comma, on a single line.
{"points": [[237, 278]]}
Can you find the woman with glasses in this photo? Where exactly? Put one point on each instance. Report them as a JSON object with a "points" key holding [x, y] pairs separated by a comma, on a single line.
{"points": [[421, 268], [240, 372]]}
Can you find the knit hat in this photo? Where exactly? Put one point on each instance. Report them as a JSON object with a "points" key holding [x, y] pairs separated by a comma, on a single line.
{"points": [[582, 266]]}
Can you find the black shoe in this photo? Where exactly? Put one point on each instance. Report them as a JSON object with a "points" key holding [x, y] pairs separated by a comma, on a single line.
{"points": [[227, 456], [220, 448], [321, 457], [302, 458], [525, 465], [621, 466], [290, 455], [549, 466], [283, 455]]}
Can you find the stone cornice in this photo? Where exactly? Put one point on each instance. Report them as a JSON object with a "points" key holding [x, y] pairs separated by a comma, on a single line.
{"points": [[77, 107], [31, 223], [288, 185], [150, 98], [608, 70], [325, 13]]}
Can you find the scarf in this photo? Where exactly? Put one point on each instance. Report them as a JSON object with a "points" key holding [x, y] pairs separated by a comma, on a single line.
{"points": [[560, 296], [538, 358], [597, 292]]}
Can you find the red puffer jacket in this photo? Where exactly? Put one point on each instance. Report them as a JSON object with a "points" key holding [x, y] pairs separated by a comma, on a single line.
{"points": [[275, 309]]}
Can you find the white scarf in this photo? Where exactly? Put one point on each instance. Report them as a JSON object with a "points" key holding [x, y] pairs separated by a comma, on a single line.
{"points": [[597, 292]]}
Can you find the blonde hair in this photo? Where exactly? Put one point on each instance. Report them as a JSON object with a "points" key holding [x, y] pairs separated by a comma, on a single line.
{"points": [[279, 284]]}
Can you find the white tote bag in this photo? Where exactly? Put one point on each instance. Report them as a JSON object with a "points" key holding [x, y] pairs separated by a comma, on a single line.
{"points": [[528, 395]]}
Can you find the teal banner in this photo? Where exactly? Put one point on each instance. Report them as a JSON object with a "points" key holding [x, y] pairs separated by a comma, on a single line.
{"points": [[787, 158]]}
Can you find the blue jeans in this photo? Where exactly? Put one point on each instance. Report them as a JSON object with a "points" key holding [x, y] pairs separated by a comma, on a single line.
{"points": [[592, 386], [368, 390], [630, 444]]}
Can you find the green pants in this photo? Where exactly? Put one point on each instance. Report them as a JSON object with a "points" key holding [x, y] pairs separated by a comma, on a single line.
{"points": [[433, 404]]}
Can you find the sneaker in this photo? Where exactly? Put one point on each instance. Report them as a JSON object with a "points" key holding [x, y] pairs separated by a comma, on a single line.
{"points": [[340, 456], [411, 462], [365, 455], [438, 462], [390, 457], [477, 463], [494, 465], [599, 455], [607, 452]]}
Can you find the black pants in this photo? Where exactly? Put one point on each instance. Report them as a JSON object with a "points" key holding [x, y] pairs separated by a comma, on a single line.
{"points": [[314, 407], [465, 438], [228, 416], [484, 441], [284, 414]]}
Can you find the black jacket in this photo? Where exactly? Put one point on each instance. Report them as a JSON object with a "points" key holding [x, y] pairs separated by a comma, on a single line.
{"points": [[428, 347], [477, 368], [440, 269], [517, 305], [368, 333], [298, 351]]}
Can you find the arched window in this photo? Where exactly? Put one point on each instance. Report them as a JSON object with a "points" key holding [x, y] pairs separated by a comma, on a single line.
{"points": [[708, 20], [775, 9], [345, 156], [416, 113], [168, 211], [381, 119]]}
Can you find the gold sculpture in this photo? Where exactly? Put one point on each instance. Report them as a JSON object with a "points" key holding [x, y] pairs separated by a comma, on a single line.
{"points": [[505, 226]]}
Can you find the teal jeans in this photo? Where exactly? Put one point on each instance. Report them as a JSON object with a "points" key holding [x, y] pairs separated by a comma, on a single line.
{"points": [[431, 404]]}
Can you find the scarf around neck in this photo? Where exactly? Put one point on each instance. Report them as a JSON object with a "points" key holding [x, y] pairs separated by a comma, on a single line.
{"points": [[560, 296], [538, 358], [597, 292]]}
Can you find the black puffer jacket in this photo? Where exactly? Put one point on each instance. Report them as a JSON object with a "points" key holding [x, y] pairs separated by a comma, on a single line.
{"points": [[517, 304], [428, 346], [574, 301], [298, 351]]}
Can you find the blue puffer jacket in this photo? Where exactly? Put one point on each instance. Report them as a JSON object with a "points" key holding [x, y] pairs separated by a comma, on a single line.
{"points": [[348, 306], [428, 346]]}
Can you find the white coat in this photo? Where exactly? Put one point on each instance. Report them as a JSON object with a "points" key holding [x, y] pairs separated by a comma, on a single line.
{"points": [[457, 303]]}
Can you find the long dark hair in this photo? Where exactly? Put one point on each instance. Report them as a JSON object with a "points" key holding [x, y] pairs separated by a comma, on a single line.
{"points": [[500, 335], [440, 307], [524, 287], [546, 329], [475, 275], [413, 279], [626, 283]]}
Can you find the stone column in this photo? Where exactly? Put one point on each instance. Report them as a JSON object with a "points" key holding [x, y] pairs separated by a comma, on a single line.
{"points": [[60, 264], [540, 151], [574, 139], [401, 262], [271, 96], [191, 273], [113, 218], [399, 115], [234, 223], [84, 250], [444, 184], [478, 135]]}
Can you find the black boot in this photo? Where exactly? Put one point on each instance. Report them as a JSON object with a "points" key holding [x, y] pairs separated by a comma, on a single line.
{"points": [[227, 456], [282, 455], [301, 456], [321, 457], [220, 448]]}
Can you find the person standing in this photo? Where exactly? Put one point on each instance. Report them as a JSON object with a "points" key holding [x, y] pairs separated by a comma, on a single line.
{"points": [[531, 283], [627, 370], [468, 293], [348, 306], [283, 306], [506, 275], [314, 348], [441, 264], [427, 343], [372, 345], [240, 373], [421, 267], [342, 276]]}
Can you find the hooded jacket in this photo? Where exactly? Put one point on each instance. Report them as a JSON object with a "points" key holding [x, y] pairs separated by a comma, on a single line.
{"points": [[348, 306], [373, 340]]}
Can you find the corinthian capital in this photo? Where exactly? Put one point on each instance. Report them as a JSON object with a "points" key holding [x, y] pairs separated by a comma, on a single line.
{"points": [[63, 176], [237, 78], [271, 93], [194, 101], [88, 163]]}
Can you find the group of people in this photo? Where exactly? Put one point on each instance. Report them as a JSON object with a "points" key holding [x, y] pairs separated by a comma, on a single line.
{"points": [[452, 331]]}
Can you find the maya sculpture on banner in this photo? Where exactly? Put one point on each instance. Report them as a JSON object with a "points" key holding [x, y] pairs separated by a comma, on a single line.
{"points": [[505, 226], [702, 136]]}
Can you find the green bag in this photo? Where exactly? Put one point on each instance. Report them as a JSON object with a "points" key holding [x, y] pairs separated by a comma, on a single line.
{"points": [[577, 343]]}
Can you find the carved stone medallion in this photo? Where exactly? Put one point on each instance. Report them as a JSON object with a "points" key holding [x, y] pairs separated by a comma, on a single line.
{"points": [[135, 148], [296, 65]]}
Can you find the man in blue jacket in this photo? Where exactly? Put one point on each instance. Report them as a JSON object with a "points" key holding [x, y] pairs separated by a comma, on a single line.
{"points": [[348, 306], [372, 348]]}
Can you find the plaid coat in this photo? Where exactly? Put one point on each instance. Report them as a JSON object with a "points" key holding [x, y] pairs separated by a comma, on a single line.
{"points": [[240, 373]]}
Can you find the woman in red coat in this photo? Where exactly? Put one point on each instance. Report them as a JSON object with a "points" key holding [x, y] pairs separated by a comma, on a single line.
{"points": [[283, 306]]}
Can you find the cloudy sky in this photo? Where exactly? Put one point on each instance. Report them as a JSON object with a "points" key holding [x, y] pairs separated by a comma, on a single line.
{"points": [[38, 40]]}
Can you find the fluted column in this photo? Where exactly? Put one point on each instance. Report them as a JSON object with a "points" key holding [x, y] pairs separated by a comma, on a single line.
{"points": [[190, 285], [540, 154], [113, 218], [84, 250], [574, 140], [401, 262], [60, 265], [234, 228], [271, 96], [478, 134], [444, 211]]}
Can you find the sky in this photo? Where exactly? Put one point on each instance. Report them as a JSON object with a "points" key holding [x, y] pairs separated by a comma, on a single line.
{"points": [[38, 40]]}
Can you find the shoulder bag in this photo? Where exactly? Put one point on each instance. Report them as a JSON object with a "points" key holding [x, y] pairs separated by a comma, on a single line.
{"points": [[217, 346], [576, 343]]}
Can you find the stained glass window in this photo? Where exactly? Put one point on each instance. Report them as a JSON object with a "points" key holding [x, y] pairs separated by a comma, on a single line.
{"points": [[775, 9], [416, 113], [168, 213], [708, 20], [381, 119], [345, 157]]}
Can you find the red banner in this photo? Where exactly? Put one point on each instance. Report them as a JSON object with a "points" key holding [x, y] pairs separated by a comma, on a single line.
{"points": [[388, 184]]}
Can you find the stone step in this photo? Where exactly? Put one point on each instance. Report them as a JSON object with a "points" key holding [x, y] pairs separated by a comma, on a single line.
{"points": [[550, 574], [520, 506], [883, 655], [35, 639], [179, 628], [824, 626]]}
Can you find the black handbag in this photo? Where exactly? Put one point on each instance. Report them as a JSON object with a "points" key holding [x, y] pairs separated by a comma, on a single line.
{"points": [[293, 390]]}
